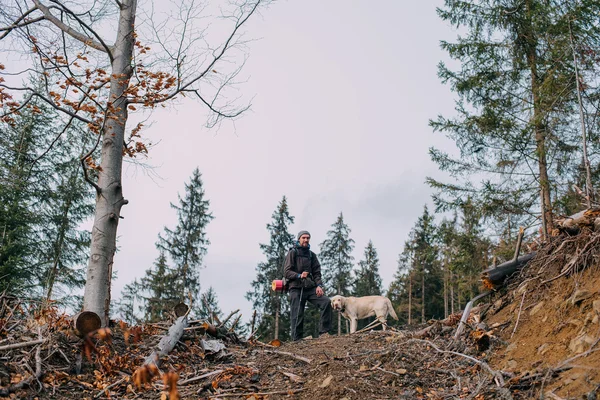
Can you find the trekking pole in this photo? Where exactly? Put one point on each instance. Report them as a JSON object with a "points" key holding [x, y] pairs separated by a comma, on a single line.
{"points": [[298, 309]]}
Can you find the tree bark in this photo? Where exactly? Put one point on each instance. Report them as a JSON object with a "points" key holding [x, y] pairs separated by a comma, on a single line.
{"points": [[423, 296], [276, 336], [64, 222], [168, 342], [538, 126], [445, 289], [339, 314], [409, 298], [586, 162], [109, 198], [496, 276]]}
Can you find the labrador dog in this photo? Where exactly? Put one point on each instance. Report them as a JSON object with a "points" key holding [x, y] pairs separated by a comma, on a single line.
{"points": [[355, 308]]}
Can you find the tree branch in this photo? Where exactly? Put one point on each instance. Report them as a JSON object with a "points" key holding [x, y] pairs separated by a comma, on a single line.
{"points": [[107, 48], [241, 20], [101, 46], [18, 24]]}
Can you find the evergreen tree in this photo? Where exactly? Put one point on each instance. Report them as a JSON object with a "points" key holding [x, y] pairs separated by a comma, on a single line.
{"points": [[447, 239], [187, 243], [43, 200], [417, 287], [19, 183], [471, 253], [210, 306], [368, 281], [130, 303], [400, 289], [516, 109], [160, 297], [336, 261], [427, 271], [267, 303], [67, 201]]}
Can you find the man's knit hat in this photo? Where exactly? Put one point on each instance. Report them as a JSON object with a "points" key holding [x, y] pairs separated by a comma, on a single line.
{"points": [[302, 233]]}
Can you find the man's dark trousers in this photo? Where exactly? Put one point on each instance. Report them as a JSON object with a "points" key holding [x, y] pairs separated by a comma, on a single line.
{"points": [[297, 305]]}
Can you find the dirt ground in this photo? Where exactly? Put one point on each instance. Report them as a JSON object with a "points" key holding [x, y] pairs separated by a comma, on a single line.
{"points": [[537, 337]]}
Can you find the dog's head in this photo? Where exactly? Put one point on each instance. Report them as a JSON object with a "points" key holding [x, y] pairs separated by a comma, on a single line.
{"points": [[338, 302]]}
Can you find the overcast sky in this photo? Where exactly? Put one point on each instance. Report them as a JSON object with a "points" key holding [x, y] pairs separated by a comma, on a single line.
{"points": [[343, 91]]}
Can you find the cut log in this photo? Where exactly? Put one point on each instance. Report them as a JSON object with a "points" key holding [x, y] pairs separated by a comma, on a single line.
{"points": [[87, 322], [168, 342], [181, 309], [221, 333], [494, 277], [573, 223], [467, 312]]}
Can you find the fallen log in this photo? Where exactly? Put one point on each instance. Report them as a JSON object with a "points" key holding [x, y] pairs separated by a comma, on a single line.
{"points": [[168, 342], [494, 277], [220, 333], [573, 223], [151, 365], [467, 313]]}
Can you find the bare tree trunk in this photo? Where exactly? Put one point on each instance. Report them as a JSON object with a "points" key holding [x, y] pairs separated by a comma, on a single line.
{"points": [[276, 335], [109, 198], [58, 250], [540, 135], [409, 298], [451, 293], [445, 289], [339, 288], [586, 161], [423, 296]]}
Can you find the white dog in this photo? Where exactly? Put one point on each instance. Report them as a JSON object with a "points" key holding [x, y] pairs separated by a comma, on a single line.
{"points": [[355, 308]]}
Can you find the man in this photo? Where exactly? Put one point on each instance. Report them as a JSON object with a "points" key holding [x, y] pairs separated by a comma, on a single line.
{"points": [[303, 271]]}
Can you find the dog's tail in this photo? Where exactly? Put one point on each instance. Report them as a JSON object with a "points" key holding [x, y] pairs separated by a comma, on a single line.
{"points": [[391, 309]]}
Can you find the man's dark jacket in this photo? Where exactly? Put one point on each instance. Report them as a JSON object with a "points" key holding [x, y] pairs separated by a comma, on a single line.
{"points": [[298, 260]]}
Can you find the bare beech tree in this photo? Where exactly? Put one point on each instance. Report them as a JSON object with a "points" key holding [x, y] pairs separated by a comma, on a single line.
{"points": [[91, 61]]}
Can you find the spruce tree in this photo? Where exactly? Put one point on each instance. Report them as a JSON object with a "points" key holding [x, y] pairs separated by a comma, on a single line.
{"points": [[209, 307], [160, 297], [187, 243], [271, 321], [43, 201], [400, 289], [367, 281], [64, 204], [516, 126], [336, 261], [19, 183], [471, 252], [130, 303], [427, 271]]}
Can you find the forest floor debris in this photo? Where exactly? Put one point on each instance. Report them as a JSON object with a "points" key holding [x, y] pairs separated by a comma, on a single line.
{"points": [[535, 336]]}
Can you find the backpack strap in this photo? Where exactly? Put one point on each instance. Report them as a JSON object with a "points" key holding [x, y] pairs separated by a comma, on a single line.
{"points": [[294, 251]]}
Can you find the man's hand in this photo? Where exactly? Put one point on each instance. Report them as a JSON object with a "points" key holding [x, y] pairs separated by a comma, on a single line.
{"points": [[320, 291], [304, 275]]}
